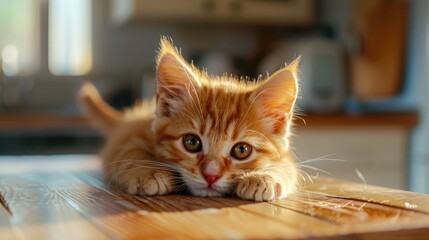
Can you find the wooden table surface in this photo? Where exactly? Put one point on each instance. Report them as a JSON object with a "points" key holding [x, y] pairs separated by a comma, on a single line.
{"points": [[64, 197]]}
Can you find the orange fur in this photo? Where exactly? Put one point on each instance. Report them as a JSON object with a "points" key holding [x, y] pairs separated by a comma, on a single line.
{"points": [[145, 155]]}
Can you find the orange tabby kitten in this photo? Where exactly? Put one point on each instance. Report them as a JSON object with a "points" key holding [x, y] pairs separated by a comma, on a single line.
{"points": [[214, 136]]}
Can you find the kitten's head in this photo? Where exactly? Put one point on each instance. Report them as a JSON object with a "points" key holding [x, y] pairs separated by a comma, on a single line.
{"points": [[218, 128]]}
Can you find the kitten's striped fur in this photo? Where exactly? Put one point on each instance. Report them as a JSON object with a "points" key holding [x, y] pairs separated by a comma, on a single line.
{"points": [[145, 154]]}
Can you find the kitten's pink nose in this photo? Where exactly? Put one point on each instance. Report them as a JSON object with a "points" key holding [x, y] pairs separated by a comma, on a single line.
{"points": [[210, 178]]}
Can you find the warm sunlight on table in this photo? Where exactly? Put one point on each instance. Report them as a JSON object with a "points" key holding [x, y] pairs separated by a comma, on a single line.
{"points": [[65, 197]]}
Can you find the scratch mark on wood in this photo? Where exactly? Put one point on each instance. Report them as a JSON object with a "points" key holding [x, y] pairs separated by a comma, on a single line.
{"points": [[306, 213], [4, 204], [382, 203]]}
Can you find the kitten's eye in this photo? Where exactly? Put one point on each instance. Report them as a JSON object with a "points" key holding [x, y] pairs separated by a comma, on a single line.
{"points": [[192, 143], [241, 151]]}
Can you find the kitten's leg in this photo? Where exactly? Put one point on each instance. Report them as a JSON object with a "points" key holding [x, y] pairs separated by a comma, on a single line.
{"points": [[264, 185], [149, 183], [123, 168]]}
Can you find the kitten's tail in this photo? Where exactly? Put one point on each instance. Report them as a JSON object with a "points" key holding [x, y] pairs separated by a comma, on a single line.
{"points": [[101, 115]]}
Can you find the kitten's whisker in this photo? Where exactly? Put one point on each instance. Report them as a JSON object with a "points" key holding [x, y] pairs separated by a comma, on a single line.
{"points": [[308, 175], [138, 166], [133, 169], [181, 188], [274, 168], [314, 169], [148, 161], [115, 177], [119, 161], [302, 177], [126, 166], [321, 157], [148, 164]]}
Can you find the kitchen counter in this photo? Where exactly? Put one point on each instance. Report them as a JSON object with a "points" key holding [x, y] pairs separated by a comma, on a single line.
{"points": [[55, 121]]}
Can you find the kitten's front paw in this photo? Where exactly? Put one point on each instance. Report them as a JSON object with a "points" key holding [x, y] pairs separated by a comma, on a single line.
{"points": [[259, 187], [152, 183]]}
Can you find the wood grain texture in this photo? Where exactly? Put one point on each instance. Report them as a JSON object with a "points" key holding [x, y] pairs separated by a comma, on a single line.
{"points": [[37, 211], [371, 194], [60, 204]]}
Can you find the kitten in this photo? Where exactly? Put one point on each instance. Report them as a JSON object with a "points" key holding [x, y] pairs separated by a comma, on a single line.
{"points": [[214, 136]]}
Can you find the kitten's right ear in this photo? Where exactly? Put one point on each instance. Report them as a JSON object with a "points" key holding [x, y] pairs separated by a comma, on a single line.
{"points": [[277, 95], [177, 81]]}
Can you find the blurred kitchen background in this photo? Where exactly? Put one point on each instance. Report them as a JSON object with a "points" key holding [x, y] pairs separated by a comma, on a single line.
{"points": [[364, 72]]}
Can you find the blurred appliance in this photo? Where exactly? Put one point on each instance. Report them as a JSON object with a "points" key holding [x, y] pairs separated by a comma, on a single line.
{"points": [[322, 72], [217, 63]]}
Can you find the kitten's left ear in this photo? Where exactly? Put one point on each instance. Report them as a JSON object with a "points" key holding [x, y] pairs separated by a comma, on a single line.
{"points": [[277, 95], [176, 79]]}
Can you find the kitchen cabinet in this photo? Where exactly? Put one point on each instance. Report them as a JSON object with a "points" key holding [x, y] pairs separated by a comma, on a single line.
{"points": [[297, 12], [368, 149]]}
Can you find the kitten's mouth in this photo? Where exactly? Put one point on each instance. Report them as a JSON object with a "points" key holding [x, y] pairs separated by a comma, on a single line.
{"points": [[203, 189], [210, 188], [208, 192]]}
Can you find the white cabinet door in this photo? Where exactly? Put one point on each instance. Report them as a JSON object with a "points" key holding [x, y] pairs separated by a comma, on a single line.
{"points": [[379, 154]]}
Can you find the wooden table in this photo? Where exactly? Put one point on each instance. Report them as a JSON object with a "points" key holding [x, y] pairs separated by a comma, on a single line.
{"points": [[64, 197]]}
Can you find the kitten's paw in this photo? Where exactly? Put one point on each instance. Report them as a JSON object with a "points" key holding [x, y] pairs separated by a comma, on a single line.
{"points": [[259, 187], [152, 183]]}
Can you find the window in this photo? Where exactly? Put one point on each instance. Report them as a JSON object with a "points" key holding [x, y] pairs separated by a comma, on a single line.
{"points": [[69, 28], [19, 37], [70, 51]]}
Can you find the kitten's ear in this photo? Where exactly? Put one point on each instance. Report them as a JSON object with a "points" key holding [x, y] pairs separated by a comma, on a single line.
{"points": [[276, 96], [176, 79]]}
